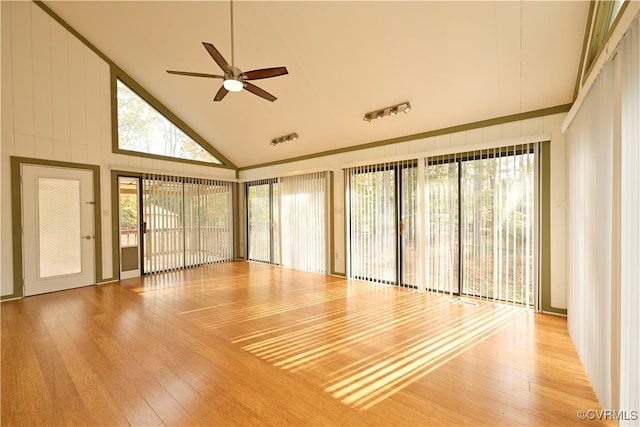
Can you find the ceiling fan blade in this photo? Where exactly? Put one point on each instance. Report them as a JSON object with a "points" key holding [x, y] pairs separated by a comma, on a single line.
{"points": [[260, 92], [222, 63], [222, 92], [265, 73], [188, 73]]}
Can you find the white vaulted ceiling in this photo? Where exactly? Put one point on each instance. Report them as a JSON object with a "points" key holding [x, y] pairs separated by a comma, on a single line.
{"points": [[456, 62]]}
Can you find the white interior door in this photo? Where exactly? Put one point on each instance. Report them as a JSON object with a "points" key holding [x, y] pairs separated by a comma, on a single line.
{"points": [[58, 229]]}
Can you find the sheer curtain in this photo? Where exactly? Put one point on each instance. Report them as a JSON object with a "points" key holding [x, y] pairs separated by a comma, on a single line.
{"points": [[630, 223], [590, 200]]}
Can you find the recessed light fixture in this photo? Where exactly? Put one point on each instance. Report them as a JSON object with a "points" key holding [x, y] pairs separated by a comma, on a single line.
{"points": [[286, 138], [387, 111]]}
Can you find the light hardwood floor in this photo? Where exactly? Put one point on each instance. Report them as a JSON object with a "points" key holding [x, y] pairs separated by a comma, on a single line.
{"points": [[251, 344]]}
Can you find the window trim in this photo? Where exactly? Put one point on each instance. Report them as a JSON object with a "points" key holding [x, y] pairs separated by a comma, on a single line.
{"points": [[599, 28], [118, 74]]}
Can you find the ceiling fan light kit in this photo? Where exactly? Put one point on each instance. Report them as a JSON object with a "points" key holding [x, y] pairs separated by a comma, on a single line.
{"points": [[286, 138], [232, 84], [387, 111], [234, 80]]}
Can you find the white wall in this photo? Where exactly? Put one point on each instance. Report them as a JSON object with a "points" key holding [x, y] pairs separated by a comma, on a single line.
{"points": [[56, 106], [460, 142]]}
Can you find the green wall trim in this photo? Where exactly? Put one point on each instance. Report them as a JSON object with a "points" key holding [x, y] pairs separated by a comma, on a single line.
{"points": [[428, 134], [332, 232], [585, 41], [545, 231], [70, 29], [16, 217], [602, 12], [345, 222], [236, 220]]}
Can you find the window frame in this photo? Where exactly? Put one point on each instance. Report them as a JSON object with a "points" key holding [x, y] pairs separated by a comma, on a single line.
{"points": [[119, 75], [600, 25]]}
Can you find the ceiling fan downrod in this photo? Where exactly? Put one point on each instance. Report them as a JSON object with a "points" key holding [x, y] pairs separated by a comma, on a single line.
{"points": [[232, 52]]}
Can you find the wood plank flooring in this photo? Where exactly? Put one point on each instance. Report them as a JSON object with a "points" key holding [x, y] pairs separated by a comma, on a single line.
{"points": [[251, 344]]}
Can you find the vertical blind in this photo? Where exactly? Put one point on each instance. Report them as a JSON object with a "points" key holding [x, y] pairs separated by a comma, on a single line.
{"points": [[463, 224], [263, 221], [287, 221], [373, 222], [630, 224], [590, 164], [303, 219], [188, 222], [442, 224], [497, 220]]}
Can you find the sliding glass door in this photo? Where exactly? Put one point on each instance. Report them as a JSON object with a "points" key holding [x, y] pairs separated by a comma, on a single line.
{"points": [[287, 221], [383, 223], [186, 222], [497, 218], [373, 224], [263, 221], [461, 224]]}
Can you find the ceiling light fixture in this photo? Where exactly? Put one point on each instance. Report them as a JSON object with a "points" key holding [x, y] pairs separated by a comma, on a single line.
{"points": [[233, 84], [286, 138], [387, 111]]}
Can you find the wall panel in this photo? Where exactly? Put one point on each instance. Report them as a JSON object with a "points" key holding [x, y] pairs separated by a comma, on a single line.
{"points": [[42, 94], [60, 84], [21, 62]]}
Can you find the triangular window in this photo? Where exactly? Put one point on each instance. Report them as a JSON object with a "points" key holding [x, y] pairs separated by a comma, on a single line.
{"points": [[143, 129]]}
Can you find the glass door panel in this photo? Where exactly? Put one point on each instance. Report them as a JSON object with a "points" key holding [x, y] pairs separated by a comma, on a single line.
{"points": [[442, 247], [408, 227], [498, 220], [263, 222], [373, 224], [129, 223]]}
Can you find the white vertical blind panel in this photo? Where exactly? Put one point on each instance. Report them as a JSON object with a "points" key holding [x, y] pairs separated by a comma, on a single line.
{"points": [[630, 225], [303, 226], [441, 213], [497, 191], [590, 142], [373, 223], [287, 221], [409, 236]]}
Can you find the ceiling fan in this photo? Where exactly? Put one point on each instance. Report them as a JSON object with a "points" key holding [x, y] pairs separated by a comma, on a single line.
{"points": [[234, 79]]}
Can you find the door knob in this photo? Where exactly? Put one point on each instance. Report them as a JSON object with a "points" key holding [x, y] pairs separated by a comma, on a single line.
{"points": [[87, 237]]}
